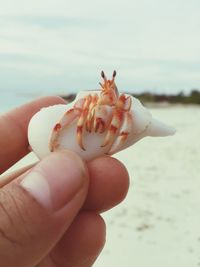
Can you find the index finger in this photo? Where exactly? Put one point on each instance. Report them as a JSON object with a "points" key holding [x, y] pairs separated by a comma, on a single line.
{"points": [[13, 130]]}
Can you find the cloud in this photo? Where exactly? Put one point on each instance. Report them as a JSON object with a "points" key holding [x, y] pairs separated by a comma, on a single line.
{"points": [[52, 22], [56, 44]]}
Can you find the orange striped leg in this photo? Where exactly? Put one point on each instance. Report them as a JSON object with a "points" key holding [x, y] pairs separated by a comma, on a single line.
{"points": [[124, 102], [82, 120], [91, 113], [113, 128], [68, 117], [102, 118], [123, 134]]}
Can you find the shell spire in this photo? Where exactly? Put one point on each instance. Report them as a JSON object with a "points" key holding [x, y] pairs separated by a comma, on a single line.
{"points": [[158, 128]]}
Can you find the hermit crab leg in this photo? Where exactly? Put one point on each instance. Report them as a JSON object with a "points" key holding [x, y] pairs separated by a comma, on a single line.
{"points": [[123, 105], [123, 134], [113, 128], [82, 119], [90, 117], [124, 102], [102, 118], [69, 116]]}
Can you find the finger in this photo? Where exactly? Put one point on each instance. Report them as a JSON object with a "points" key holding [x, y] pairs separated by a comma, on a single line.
{"points": [[81, 244], [108, 184], [37, 209], [13, 134], [7, 178]]}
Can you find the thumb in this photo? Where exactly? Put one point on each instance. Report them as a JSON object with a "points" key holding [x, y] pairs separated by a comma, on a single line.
{"points": [[37, 208]]}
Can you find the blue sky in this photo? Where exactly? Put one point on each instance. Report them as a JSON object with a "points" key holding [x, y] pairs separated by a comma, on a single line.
{"points": [[61, 46]]}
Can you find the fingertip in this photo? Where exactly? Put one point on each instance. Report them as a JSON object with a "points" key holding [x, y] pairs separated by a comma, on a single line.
{"points": [[109, 183], [97, 229], [83, 242], [53, 99]]}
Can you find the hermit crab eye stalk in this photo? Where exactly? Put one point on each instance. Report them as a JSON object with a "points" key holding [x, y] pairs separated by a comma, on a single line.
{"points": [[105, 78], [102, 74], [114, 73]]}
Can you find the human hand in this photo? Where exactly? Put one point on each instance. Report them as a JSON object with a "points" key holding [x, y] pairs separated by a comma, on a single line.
{"points": [[49, 212]]}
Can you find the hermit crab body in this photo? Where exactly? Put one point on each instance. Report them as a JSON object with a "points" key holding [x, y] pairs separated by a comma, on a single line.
{"points": [[108, 112], [94, 124]]}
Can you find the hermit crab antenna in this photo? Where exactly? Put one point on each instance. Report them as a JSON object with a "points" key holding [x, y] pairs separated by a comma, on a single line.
{"points": [[101, 85]]}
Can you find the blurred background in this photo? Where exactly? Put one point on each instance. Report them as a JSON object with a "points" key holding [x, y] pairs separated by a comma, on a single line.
{"points": [[60, 47]]}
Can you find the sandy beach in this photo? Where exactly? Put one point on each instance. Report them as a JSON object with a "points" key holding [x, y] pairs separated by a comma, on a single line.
{"points": [[159, 222]]}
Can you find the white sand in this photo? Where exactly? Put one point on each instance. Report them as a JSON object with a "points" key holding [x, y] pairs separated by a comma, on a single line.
{"points": [[159, 222]]}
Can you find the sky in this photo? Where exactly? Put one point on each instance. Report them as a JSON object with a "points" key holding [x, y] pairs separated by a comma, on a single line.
{"points": [[61, 46]]}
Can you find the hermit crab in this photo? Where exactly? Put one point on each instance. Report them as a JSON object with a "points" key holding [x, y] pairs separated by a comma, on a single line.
{"points": [[96, 123]]}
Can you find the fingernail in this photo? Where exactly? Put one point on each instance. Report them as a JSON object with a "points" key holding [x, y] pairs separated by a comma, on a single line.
{"points": [[56, 179]]}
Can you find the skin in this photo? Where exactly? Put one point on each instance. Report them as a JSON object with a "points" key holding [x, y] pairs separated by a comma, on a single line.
{"points": [[67, 235]]}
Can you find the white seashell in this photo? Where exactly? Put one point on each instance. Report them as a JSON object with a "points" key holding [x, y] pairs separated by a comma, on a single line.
{"points": [[42, 124]]}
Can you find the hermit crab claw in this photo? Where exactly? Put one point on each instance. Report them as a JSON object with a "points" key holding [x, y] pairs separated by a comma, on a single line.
{"points": [[94, 124]]}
